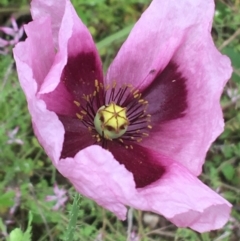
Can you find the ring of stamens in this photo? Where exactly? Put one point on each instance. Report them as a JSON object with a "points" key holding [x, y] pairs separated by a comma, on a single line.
{"points": [[123, 118]]}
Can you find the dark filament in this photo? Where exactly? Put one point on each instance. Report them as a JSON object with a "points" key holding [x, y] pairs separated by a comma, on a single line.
{"points": [[126, 97]]}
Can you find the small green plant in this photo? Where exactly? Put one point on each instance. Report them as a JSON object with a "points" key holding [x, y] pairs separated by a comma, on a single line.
{"points": [[18, 235]]}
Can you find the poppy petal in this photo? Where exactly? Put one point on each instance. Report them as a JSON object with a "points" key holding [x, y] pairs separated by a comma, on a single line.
{"points": [[177, 195]]}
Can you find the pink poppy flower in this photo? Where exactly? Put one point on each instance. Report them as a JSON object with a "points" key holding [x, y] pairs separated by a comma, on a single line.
{"points": [[139, 136]]}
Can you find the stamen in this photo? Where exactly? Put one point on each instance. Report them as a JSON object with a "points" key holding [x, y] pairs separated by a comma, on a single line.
{"points": [[79, 116], [135, 92], [83, 112], [76, 103], [123, 116]]}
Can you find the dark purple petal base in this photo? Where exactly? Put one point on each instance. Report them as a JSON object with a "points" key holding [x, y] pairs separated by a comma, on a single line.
{"points": [[140, 161], [167, 95]]}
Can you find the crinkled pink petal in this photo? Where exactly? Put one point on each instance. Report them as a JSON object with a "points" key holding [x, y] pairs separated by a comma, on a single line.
{"points": [[91, 172], [47, 127], [189, 137], [186, 201], [33, 65], [168, 32], [54, 10], [74, 47], [71, 38], [178, 195], [41, 9], [40, 69], [40, 58], [155, 38]]}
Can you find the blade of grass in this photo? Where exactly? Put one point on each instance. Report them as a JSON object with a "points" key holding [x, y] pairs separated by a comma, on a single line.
{"points": [[116, 36], [69, 236]]}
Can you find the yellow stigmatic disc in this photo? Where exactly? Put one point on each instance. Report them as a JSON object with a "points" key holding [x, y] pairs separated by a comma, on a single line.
{"points": [[111, 121]]}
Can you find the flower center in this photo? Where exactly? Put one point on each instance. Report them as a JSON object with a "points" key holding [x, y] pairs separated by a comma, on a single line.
{"points": [[111, 121], [115, 113]]}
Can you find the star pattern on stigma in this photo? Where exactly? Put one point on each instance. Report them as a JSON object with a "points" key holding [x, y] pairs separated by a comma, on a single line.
{"points": [[111, 121]]}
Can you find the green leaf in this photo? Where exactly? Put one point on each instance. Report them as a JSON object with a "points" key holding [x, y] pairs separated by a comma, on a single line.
{"points": [[234, 56], [228, 171], [73, 215], [18, 235], [6, 199], [116, 36], [2, 226], [27, 235], [234, 124]]}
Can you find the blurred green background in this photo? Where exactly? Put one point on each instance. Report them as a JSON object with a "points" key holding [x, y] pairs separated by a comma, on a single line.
{"points": [[27, 176]]}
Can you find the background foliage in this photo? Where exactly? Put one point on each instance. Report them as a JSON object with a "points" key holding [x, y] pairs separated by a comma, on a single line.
{"points": [[27, 176]]}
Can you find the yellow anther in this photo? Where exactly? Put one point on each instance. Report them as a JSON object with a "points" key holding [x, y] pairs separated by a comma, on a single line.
{"points": [[79, 116], [135, 92], [114, 84], [85, 97], [149, 127], [83, 112], [76, 103], [107, 87], [98, 138], [96, 83], [136, 96]]}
